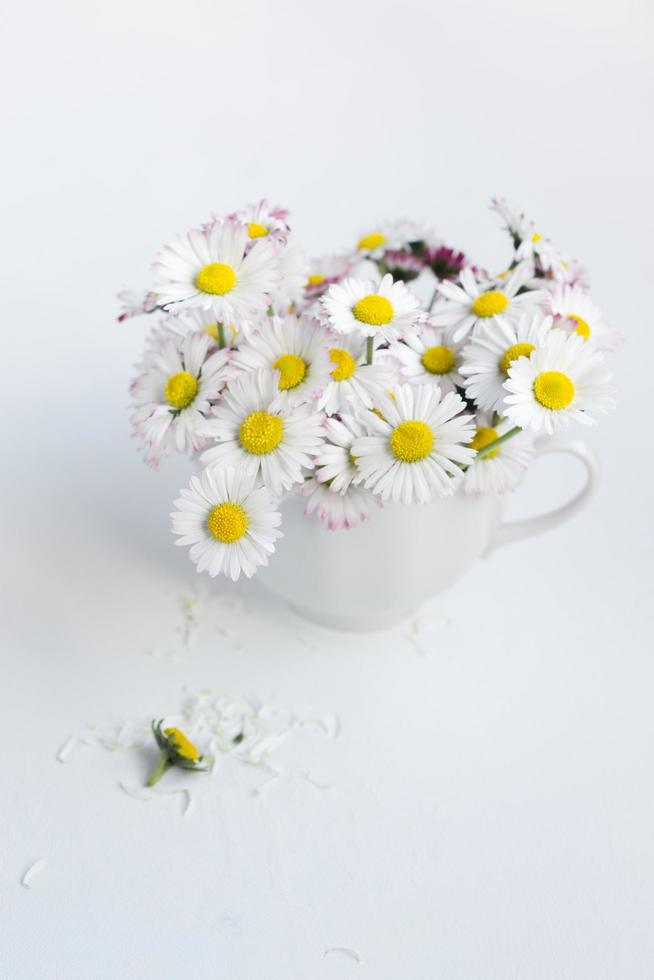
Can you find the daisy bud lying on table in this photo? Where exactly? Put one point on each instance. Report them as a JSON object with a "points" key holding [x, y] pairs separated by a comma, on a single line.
{"points": [[335, 379], [176, 750]]}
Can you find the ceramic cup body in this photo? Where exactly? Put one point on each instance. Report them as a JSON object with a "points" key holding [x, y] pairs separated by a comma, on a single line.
{"points": [[372, 576]]}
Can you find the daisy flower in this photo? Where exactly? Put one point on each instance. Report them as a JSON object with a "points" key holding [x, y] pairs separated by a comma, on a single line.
{"points": [[419, 440], [500, 470], [428, 357], [257, 438], [444, 262], [402, 264], [212, 269], [572, 273], [352, 381], [390, 235], [176, 750], [335, 464], [516, 222], [489, 355], [372, 310], [562, 380], [528, 242], [174, 391], [542, 252], [338, 511], [575, 312], [324, 272], [229, 521], [471, 303], [297, 349], [263, 221]]}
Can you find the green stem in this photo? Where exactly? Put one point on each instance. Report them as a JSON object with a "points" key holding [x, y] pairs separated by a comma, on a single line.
{"points": [[432, 300], [221, 334], [369, 350], [485, 450], [161, 767]]}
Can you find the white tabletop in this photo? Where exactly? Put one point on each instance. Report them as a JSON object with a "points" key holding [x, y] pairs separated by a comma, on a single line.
{"points": [[467, 796]]}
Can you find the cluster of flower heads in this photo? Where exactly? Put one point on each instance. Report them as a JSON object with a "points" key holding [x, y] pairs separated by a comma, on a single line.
{"points": [[333, 379]]}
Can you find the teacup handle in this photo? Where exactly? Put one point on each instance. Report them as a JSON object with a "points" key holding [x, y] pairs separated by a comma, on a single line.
{"points": [[517, 530]]}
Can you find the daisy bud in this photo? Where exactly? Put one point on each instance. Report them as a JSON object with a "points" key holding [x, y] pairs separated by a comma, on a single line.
{"points": [[176, 750]]}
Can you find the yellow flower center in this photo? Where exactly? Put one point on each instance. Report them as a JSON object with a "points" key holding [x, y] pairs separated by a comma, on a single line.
{"points": [[483, 437], [536, 237], [255, 230], [345, 364], [374, 240], [182, 744], [181, 389], [212, 330], [554, 390], [582, 327], [293, 370], [216, 278], [411, 441], [227, 522], [315, 279], [438, 360], [261, 433], [373, 309], [512, 354], [490, 303]]}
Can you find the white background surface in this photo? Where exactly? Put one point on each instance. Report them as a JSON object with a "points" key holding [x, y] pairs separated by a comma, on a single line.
{"points": [[492, 810]]}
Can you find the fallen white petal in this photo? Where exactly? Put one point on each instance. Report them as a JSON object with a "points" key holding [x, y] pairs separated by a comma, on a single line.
{"points": [[314, 782], [188, 803], [32, 872], [345, 951], [67, 748], [328, 723], [267, 783], [136, 792]]}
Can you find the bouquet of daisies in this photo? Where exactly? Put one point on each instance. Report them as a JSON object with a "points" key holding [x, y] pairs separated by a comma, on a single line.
{"points": [[398, 371]]}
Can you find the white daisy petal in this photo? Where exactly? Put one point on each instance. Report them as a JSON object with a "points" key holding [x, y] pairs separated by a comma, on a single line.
{"points": [[339, 510], [500, 470], [181, 377], [479, 301], [218, 270], [371, 310], [574, 311], [428, 356], [565, 379], [298, 349], [493, 349], [233, 525], [252, 431], [352, 381], [410, 463]]}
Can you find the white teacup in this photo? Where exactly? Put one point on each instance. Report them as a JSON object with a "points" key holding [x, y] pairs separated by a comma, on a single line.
{"points": [[375, 575]]}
